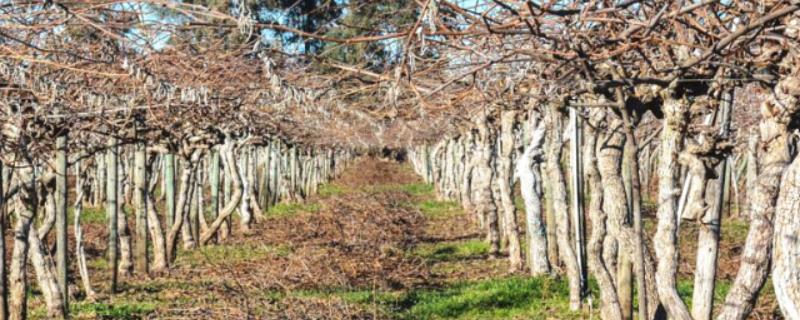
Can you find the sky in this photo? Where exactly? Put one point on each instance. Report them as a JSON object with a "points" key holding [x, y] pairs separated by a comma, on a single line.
{"points": [[160, 40]]}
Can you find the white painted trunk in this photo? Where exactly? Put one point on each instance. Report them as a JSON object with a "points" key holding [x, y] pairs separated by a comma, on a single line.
{"points": [[528, 170]]}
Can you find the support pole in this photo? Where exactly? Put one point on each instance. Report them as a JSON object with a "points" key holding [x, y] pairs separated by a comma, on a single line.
{"points": [[169, 178], [576, 167], [61, 218], [213, 179], [111, 210], [139, 196], [3, 270]]}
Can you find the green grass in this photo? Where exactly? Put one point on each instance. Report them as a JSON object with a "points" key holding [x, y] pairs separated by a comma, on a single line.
{"points": [[439, 209], [116, 310], [331, 190], [686, 288], [513, 297], [91, 215], [102, 310], [505, 298], [414, 189], [735, 230], [282, 210], [99, 263], [418, 189], [358, 296], [452, 251]]}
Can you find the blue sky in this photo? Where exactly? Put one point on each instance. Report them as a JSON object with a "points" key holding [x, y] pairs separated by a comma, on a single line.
{"points": [[160, 40]]}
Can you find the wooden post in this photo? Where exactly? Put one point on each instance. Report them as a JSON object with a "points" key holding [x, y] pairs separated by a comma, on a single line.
{"points": [[3, 271], [576, 167], [225, 229], [245, 212], [275, 163], [213, 180], [101, 178], [61, 218], [195, 199], [625, 264], [139, 197], [169, 178], [111, 210], [265, 179]]}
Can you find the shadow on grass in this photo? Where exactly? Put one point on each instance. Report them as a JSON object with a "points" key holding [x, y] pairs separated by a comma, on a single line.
{"points": [[511, 297], [434, 252]]}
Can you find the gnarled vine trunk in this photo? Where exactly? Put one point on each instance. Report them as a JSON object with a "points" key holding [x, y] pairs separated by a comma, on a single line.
{"points": [[610, 307], [776, 113], [666, 239], [558, 191], [528, 170], [507, 123]]}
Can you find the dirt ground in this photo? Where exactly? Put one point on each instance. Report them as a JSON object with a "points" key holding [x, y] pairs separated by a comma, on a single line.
{"points": [[374, 244]]}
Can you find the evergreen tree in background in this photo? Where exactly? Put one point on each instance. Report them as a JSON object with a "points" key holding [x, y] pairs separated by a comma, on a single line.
{"points": [[331, 18], [370, 17]]}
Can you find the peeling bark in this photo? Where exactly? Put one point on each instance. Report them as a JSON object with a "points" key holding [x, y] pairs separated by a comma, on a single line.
{"points": [[776, 114], [485, 203], [160, 261], [181, 208], [666, 238], [46, 277], [230, 166], [610, 307], [18, 282], [507, 123], [558, 191], [530, 179]]}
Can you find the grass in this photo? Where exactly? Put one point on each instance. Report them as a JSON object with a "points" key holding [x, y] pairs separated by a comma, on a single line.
{"points": [[414, 189], [117, 310], [283, 210], [452, 251], [735, 230], [458, 290], [91, 215], [418, 189], [103, 310], [686, 289], [100, 263], [330, 190], [439, 209], [512, 297]]}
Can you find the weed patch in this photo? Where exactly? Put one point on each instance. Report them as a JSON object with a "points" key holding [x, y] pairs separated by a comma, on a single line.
{"points": [[90, 215], [439, 209], [452, 251], [331, 190], [282, 210], [513, 297]]}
